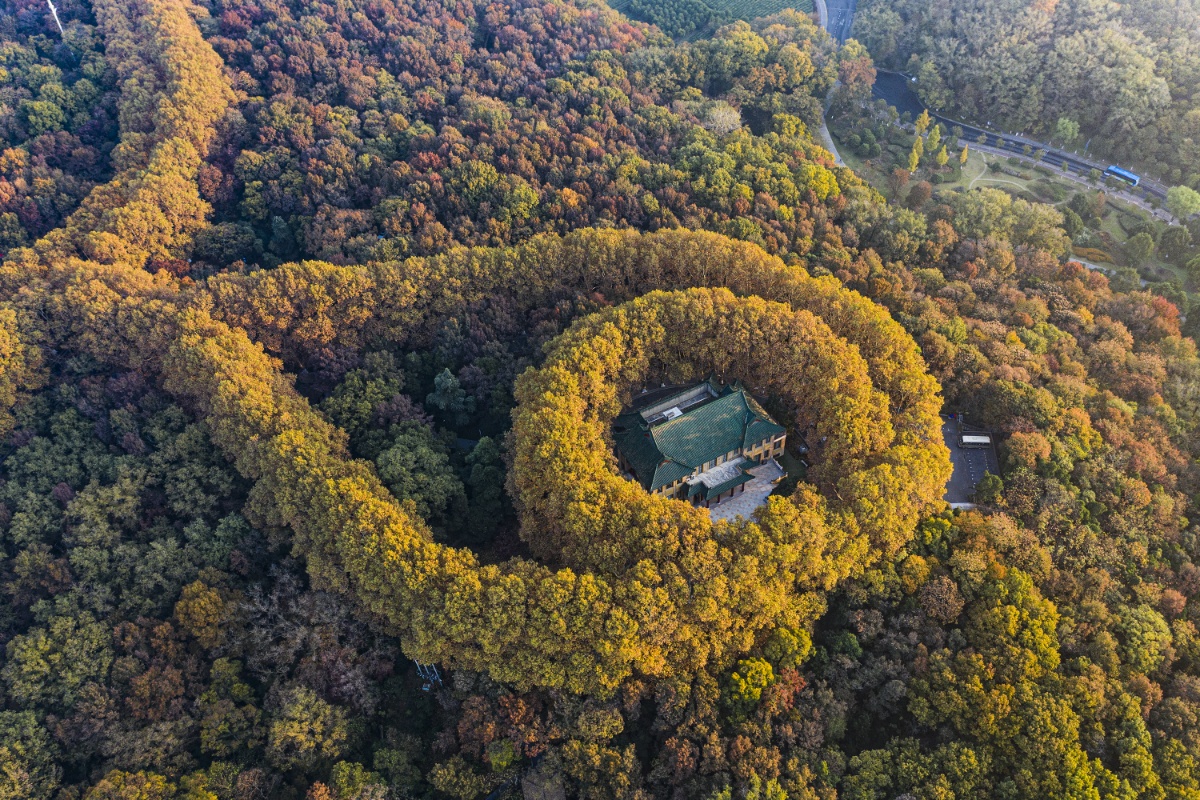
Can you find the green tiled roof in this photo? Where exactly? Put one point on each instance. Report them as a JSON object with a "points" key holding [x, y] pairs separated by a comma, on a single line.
{"points": [[713, 491], [669, 450]]}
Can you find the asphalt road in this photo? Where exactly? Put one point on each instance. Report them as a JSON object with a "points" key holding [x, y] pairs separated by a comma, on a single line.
{"points": [[837, 16], [841, 18], [893, 87]]}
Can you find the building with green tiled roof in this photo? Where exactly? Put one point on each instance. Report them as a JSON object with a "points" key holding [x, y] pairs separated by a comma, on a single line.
{"points": [[697, 444]]}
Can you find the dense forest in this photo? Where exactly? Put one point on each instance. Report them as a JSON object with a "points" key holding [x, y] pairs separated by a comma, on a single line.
{"points": [[313, 322], [1121, 78]]}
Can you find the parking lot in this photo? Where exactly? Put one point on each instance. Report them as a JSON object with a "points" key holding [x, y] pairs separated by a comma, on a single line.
{"points": [[970, 465]]}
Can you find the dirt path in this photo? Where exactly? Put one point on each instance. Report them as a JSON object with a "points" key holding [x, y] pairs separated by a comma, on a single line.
{"points": [[982, 170], [1079, 180], [998, 180]]}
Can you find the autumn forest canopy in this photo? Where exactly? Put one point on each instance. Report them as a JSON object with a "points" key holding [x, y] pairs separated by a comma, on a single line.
{"points": [[314, 321]]}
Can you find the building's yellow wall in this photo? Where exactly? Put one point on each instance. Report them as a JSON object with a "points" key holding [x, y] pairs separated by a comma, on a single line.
{"points": [[767, 447]]}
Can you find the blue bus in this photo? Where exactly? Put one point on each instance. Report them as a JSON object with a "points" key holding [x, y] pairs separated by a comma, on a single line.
{"points": [[1123, 175]]}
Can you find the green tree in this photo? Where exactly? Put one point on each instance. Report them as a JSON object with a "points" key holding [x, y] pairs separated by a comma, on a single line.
{"points": [[1174, 244], [353, 403], [41, 116], [1139, 248], [455, 778], [485, 481], [747, 683], [1183, 202], [934, 140], [229, 718], [416, 467], [1066, 130], [449, 399], [1193, 269], [1072, 223], [1146, 638]]}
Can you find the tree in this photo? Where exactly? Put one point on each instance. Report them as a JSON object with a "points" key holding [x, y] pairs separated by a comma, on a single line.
{"points": [[229, 719], [1139, 248], [49, 666], [28, 767], [914, 156], [1183, 202], [922, 122], [455, 778], [942, 157], [1193, 269], [935, 137], [416, 467], [723, 119], [450, 400], [1174, 244], [1146, 637], [202, 613], [41, 116], [1072, 223], [963, 156], [485, 482], [919, 195], [746, 685], [983, 212], [1066, 130], [305, 731], [118, 785]]}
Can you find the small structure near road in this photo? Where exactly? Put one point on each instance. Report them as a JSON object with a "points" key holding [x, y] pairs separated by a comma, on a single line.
{"points": [[973, 455]]}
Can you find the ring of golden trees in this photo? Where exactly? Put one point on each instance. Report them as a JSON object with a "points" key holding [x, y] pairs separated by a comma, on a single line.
{"points": [[638, 584]]}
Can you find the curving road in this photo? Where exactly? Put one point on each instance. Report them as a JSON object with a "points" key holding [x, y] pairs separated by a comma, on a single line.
{"points": [[894, 88], [840, 18], [837, 17], [822, 11]]}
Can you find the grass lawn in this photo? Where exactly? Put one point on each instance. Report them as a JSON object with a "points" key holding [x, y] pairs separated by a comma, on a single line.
{"points": [[1053, 189], [975, 173], [972, 174]]}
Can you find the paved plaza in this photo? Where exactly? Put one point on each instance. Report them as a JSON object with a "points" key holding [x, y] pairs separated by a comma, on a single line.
{"points": [[742, 505]]}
